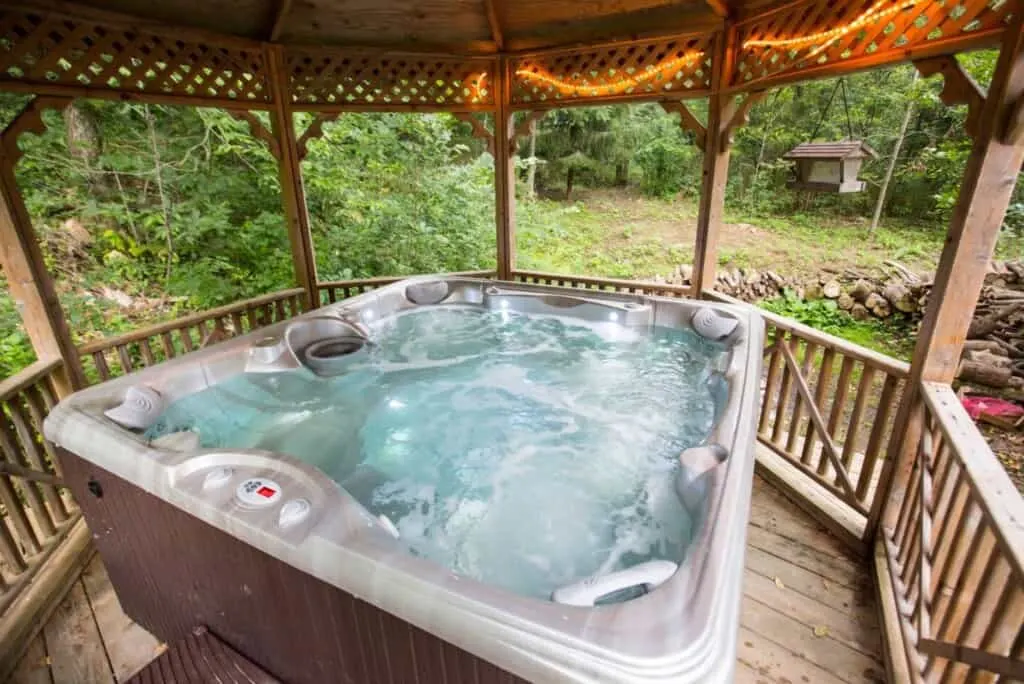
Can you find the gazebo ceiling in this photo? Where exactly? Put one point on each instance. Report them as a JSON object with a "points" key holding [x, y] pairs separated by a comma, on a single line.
{"points": [[336, 55], [451, 26]]}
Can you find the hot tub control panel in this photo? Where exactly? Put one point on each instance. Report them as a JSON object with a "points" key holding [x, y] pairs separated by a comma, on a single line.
{"points": [[278, 500], [258, 492]]}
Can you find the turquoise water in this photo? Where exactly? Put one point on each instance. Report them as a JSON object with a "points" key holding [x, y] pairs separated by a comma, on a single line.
{"points": [[523, 451]]}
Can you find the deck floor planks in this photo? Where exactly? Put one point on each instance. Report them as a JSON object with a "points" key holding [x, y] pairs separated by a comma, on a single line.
{"points": [[33, 667], [129, 646], [822, 585], [73, 641]]}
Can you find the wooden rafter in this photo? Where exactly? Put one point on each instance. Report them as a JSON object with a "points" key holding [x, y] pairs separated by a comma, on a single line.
{"points": [[277, 25], [958, 88], [492, 20], [718, 7], [258, 130]]}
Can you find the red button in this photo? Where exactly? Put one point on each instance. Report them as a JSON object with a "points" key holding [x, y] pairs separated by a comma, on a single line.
{"points": [[266, 492]]}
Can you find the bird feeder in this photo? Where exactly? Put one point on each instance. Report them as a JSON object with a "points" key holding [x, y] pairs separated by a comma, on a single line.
{"points": [[828, 166]]}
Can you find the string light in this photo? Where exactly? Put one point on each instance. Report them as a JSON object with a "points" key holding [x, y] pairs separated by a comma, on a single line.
{"points": [[870, 15], [615, 87]]}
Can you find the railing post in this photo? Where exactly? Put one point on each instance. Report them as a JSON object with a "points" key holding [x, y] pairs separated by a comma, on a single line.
{"points": [[290, 173], [22, 259], [504, 173], [715, 171], [985, 194]]}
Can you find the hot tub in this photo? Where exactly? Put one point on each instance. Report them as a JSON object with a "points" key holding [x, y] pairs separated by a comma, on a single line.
{"points": [[445, 479]]}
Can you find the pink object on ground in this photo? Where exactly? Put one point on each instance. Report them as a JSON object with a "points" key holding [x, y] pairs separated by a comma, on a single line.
{"points": [[991, 406]]}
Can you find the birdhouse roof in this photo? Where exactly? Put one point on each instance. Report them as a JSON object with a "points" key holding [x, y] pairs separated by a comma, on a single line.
{"points": [[846, 149]]}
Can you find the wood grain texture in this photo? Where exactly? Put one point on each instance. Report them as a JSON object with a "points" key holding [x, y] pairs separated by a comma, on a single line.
{"points": [[29, 281], [128, 646], [73, 642], [34, 667]]}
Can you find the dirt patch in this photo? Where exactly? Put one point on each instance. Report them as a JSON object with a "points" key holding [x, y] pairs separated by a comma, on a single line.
{"points": [[1008, 446]]}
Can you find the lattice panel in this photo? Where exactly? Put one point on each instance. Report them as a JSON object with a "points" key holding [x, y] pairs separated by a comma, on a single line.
{"points": [[823, 32], [665, 67], [42, 50], [326, 78]]}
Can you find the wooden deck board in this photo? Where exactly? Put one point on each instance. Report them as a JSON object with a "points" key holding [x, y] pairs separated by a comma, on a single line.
{"points": [[129, 646], [798, 578], [73, 642]]}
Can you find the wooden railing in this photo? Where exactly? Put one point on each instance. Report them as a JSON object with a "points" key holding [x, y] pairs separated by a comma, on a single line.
{"points": [[955, 554], [605, 284], [115, 356], [336, 290], [36, 513], [827, 410]]}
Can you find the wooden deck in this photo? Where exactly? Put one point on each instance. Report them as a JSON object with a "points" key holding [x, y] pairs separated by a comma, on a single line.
{"points": [[808, 614]]}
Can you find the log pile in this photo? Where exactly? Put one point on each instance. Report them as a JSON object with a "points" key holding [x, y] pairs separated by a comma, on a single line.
{"points": [[994, 353]]}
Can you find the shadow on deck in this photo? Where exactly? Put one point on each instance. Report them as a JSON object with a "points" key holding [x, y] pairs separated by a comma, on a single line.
{"points": [[808, 614]]}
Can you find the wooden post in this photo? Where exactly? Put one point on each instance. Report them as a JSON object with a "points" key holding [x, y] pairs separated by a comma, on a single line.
{"points": [[504, 173], [981, 206], [716, 166], [30, 283], [290, 172]]}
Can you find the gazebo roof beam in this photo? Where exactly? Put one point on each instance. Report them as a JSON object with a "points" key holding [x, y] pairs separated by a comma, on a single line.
{"points": [[719, 7], [495, 24], [662, 22], [280, 14]]}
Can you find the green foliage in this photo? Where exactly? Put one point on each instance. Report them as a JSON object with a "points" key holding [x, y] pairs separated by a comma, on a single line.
{"points": [[893, 336], [663, 161]]}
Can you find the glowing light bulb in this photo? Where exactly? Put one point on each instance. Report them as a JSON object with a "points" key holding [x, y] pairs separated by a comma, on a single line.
{"points": [[870, 15], [614, 87]]}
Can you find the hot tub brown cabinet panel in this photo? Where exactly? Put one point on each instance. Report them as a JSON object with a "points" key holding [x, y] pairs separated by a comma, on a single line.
{"points": [[173, 572], [290, 569]]}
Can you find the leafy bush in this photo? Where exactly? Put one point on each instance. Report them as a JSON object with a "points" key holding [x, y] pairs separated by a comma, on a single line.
{"points": [[667, 164]]}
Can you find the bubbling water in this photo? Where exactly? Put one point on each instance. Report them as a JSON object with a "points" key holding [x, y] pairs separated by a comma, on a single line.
{"points": [[527, 452]]}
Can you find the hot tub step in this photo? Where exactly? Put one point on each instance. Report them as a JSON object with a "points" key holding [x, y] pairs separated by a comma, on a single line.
{"points": [[201, 658]]}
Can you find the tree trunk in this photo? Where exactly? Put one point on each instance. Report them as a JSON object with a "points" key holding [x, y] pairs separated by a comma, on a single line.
{"points": [[884, 190], [165, 205], [531, 172], [569, 176], [622, 173], [84, 141]]}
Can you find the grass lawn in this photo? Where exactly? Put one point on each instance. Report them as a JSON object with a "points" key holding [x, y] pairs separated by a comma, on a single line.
{"points": [[623, 235]]}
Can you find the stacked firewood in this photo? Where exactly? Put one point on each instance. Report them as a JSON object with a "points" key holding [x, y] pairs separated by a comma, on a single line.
{"points": [[994, 353]]}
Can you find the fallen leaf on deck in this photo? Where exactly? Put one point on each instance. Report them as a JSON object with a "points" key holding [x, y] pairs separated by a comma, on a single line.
{"points": [[820, 631], [778, 583]]}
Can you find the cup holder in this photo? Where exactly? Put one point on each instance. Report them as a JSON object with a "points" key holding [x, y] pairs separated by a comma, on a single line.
{"points": [[325, 350]]}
